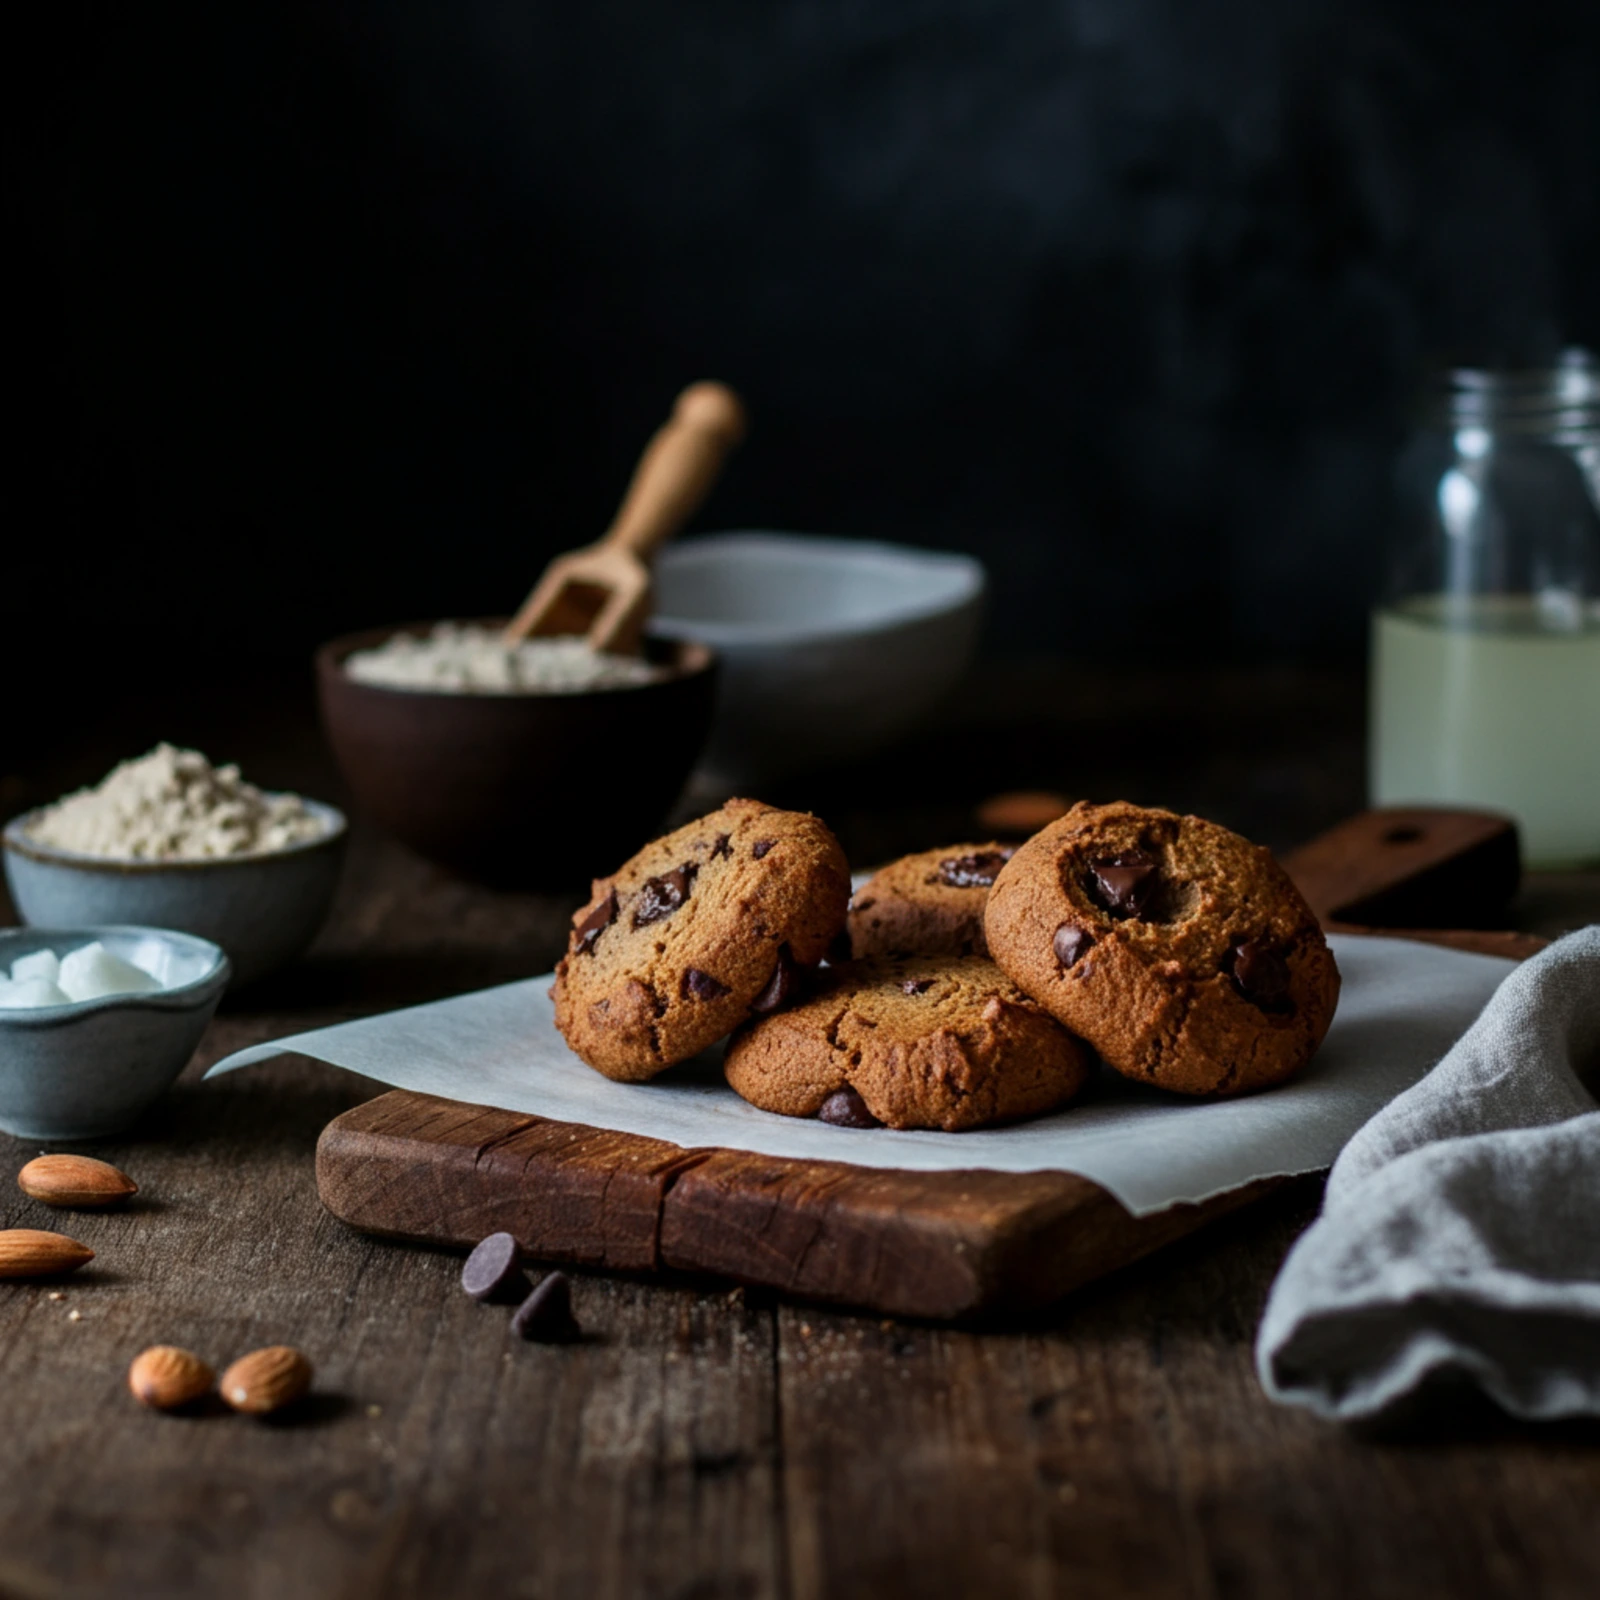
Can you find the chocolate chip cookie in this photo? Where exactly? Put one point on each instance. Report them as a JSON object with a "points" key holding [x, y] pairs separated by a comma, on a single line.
{"points": [[1179, 950], [929, 904], [943, 1042], [703, 928]]}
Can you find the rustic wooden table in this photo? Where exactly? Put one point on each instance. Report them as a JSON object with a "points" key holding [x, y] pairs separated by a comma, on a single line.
{"points": [[702, 1442]]}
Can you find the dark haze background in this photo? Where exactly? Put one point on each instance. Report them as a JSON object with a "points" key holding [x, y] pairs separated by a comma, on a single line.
{"points": [[331, 314]]}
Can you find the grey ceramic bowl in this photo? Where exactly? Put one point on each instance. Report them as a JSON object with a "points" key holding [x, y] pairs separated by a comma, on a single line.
{"points": [[82, 1071], [262, 909], [830, 648]]}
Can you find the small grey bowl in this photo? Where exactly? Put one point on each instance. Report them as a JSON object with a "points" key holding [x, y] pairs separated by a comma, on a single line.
{"points": [[83, 1071], [263, 909], [830, 648]]}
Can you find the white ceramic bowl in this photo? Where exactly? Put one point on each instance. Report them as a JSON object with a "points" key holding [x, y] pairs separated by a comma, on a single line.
{"points": [[830, 648], [86, 1070], [263, 909]]}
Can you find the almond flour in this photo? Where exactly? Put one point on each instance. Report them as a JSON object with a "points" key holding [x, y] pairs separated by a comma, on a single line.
{"points": [[173, 805], [466, 658]]}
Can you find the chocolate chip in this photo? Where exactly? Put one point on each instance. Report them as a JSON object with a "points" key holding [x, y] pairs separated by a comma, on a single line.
{"points": [[863, 905], [1122, 884], [1071, 944], [781, 987], [698, 985], [660, 897], [546, 1315], [761, 846], [1260, 974], [493, 1268], [976, 871], [588, 932], [844, 1108], [723, 846], [916, 985]]}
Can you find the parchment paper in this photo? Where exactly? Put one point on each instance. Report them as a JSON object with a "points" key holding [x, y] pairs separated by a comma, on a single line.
{"points": [[1403, 1005]]}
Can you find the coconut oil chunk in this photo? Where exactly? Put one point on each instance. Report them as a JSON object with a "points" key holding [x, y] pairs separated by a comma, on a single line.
{"points": [[91, 972], [173, 805]]}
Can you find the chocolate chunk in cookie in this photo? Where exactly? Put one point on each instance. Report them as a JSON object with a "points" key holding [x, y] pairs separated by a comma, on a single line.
{"points": [[787, 978], [1260, 974], [1071, 944], [844, 1108], [1122, 884], [698, 985], [1179, 950], [942, 1042], [660, 897], [975, 870], [588, 931], [927, 904], [700, 930]]}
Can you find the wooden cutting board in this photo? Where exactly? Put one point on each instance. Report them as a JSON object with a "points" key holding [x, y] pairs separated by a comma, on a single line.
{"points": [[941, 1245]]}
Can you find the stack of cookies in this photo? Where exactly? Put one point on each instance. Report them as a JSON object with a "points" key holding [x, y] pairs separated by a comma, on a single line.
{"points": [[961, 987]]}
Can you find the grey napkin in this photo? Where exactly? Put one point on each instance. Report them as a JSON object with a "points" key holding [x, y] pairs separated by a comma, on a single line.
{"points": [[1460, 1234]]}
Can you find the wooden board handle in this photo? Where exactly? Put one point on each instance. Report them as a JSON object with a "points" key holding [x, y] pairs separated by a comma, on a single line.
{"points": [[1417, 872], [677, 469], [1413, 866]]}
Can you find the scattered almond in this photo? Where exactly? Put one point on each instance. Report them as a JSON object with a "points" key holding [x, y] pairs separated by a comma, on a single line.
{"points": [[1022, 812], [266, 1380], [33, 1253], [166, 1377], [78, 1182]]}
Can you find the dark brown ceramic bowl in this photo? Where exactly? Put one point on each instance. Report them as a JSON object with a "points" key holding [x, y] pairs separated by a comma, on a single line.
{"points": [[540, 791]]}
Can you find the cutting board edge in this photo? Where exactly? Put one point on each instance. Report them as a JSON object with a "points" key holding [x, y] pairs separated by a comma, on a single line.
{"points": [[945, 1246]]}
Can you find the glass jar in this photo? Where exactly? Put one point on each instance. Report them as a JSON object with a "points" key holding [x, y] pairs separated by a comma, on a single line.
{"points": [[1486, 647]]}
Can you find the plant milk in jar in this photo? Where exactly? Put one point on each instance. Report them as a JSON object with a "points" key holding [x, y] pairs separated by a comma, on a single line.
{"points": [[1486, 655]]}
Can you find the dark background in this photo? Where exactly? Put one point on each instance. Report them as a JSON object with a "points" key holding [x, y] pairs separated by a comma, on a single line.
{"points": [[326, 315]]}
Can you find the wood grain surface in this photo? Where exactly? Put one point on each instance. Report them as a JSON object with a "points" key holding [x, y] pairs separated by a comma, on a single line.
{"points": [[702, 1443]]}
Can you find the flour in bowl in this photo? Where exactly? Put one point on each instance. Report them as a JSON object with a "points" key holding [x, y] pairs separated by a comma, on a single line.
{"points": [[466, 658], [173, 805]]}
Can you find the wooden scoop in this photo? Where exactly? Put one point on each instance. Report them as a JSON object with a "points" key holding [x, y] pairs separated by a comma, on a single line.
{"points": [[603, 590]]}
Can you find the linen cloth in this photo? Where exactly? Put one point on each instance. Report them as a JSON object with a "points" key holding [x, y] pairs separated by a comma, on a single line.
{"points": [[1460, 1233]]}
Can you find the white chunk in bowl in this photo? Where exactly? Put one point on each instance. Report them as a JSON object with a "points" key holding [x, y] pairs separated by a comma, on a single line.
{"points": [[830, 648]]}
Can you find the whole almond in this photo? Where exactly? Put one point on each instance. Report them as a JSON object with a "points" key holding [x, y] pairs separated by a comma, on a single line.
{"points": [[77, 1182], [165, 1377], [32, 1253], [266, 1380], [1021, 812]]}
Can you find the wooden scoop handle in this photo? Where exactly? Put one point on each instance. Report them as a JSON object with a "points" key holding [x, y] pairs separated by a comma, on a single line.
{"points": [[677, 469], [603, 590]]}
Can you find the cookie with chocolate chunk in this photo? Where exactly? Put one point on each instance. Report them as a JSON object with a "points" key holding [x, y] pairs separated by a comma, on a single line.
{"points": [[703, 928], [929, 904], [1179, 950], [944, 1042]]}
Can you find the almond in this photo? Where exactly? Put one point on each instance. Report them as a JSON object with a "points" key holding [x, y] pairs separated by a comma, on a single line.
{"points": [[78, 1182], [266, 1379], [32, 1253], [1022, 812], [166, 1377]]}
